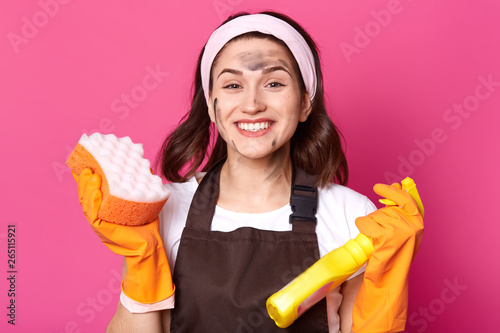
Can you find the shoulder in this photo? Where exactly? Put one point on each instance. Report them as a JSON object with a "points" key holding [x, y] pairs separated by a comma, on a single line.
{"points": [[175, 210], [335, 196], [338, 208], [184, 188], [181, 195]]}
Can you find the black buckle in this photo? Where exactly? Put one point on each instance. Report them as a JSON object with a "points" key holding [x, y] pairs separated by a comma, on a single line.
{"points": [[304, 207]]}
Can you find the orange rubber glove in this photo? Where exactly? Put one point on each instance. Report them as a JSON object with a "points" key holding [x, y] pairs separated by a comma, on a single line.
{"points": [[148, 279], [382, 301]]}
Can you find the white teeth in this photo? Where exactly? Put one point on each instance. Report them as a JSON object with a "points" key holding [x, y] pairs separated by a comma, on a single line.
{"points": [[254, 127]]}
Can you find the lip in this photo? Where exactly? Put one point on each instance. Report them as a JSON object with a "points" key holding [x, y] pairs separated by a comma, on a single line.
{"points": [[253, 121], [258, 120]]}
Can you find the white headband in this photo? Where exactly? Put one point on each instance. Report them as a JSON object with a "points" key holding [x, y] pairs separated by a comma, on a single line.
{"points": [[266, 24]]}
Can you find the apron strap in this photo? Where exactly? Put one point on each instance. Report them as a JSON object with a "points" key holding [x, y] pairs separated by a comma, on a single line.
{"points": [[202, 208], [303, 200]]}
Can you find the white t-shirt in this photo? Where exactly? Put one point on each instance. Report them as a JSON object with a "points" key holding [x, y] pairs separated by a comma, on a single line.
{"points": [[338, 208]]}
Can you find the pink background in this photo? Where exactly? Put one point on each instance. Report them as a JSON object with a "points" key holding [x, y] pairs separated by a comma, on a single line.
{"points": [[393, 85]]}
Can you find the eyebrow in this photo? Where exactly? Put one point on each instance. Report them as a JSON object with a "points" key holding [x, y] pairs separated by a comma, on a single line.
{"points": [[264, 71], [229, 70], [275, 68]]}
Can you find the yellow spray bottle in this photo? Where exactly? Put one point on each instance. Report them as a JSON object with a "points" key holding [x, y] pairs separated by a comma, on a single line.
{"points": [[286, 305]]}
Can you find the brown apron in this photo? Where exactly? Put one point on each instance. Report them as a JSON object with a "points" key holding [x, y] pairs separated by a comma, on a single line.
{"points": [[223, 279]]}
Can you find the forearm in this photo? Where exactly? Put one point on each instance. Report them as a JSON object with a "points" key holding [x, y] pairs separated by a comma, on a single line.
{"points": [[126, 322], [349, 290]]}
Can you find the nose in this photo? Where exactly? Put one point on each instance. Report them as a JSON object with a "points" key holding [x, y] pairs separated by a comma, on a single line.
{"points": [[253, 102]]}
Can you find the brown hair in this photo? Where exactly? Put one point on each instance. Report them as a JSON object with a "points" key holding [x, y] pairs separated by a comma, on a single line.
{"points": [[316, 145]]}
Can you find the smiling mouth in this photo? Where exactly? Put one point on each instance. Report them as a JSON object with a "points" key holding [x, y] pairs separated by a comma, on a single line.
{"points": [[254, 127]]}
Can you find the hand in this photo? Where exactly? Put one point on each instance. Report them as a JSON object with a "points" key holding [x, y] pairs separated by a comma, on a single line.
{"points": [[382, 301], [148, 278]]}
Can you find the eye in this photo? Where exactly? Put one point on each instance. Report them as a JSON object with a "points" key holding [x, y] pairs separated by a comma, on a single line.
{"points": [[275, 85], [232, 86]]}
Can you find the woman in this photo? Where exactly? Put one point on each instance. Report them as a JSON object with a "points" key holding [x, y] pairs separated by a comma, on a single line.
{"points": [[270, 115], [265, 207]]}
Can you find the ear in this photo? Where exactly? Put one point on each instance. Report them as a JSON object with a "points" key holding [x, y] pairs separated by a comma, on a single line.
{"points": [[211, 111], [305, 107]]}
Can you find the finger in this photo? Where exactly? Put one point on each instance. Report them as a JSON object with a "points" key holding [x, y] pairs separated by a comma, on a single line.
{"points": [[388, 202], [92, 198], [396, 185], [83, 178], [399, 224], [402, 198], [369, 226]]}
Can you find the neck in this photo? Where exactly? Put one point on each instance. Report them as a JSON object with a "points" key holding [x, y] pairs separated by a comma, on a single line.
{"points": [[256, 185]]}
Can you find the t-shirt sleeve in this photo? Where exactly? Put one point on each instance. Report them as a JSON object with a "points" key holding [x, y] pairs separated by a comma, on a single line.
{"points": [[367, 208], [136, 307]]}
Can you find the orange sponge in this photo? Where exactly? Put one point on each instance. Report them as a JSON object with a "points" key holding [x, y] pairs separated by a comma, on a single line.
{"points": [[131, 194]]}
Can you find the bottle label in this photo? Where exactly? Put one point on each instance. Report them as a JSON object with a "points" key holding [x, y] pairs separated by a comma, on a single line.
{"points": [[314, 298]]}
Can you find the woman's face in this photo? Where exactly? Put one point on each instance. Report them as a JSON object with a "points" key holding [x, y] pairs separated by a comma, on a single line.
{"points": [[256, 101]]}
